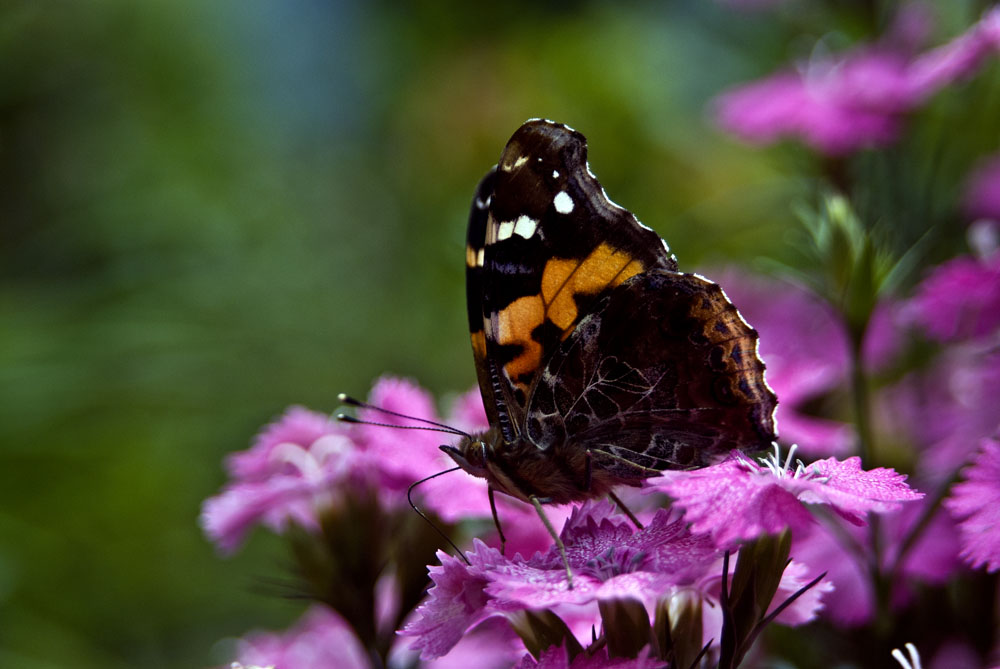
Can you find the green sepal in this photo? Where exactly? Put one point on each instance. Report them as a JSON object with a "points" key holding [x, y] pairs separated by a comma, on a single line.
{"points": [[677, 630], [540, 630], [626, 626]]}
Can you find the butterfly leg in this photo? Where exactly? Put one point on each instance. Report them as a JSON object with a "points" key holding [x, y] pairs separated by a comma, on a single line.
{"points": [[612, 495], [496, 521], [559, 544], [625, 510]]}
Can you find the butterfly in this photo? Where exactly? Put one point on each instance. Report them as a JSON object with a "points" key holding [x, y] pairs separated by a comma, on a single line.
{"points": [[600, 364]]}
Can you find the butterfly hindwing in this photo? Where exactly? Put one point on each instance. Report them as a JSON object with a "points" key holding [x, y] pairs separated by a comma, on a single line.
{"points": [[553, 245], [663, 374]]}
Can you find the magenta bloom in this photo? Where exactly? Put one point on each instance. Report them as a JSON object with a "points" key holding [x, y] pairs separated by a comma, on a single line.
{"points": [[302, 461], [982, 193], [931, 560], [950, 407], [960, 299], [738, 499], [835, 107], [976, 502], [841, 105], [610, 559], [321, 639]]}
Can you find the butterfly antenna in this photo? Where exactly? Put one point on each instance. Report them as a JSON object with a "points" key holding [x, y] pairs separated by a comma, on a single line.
{"points": [[344, 398], [409, 498]]}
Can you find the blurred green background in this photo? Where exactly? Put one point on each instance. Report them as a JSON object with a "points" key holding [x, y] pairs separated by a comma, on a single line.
{"points": [[209, 211]]}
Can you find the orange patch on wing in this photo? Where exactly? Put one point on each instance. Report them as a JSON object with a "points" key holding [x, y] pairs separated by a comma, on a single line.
{"points": [[514, 326], [630, 270], [563, 280]]}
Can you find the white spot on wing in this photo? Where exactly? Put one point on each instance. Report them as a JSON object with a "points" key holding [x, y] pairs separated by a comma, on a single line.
{"points": [[525, 226], [563, 202], [479, 258], [505, 230], [555, 174]]}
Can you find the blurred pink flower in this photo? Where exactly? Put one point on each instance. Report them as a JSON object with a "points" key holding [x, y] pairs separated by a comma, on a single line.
{"points": [[932, 559], [976, 503], [835, 107], [738, 499], [319, 640], [300, 462], [982, 192], [839, 105], [960, 299], [948, 408]]}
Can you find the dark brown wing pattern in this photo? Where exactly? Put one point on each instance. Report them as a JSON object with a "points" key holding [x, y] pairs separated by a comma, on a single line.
{"points": [[663, 374]]}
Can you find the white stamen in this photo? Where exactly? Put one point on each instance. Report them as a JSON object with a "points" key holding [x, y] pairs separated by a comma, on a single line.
{"points": [[914, 660]]}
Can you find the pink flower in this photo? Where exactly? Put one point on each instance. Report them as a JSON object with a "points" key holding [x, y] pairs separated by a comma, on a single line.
{"points": [[960, 299], [982, 192], [839, 105], [321, 639], [305, 462], [976, 502], [932, 559], [949, 408], [609, 558], [738, 499], [835, 107], [301, 462], [402, 456]]}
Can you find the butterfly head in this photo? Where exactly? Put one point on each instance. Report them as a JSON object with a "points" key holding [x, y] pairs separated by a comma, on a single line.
{"points": [[487, 456], [474, 454]]}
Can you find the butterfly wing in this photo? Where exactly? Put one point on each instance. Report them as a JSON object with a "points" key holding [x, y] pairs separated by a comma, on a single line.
{"points": [[662, 374], [544, 249]]}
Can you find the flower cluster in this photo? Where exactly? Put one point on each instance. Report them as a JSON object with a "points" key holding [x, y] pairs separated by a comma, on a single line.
{"points": [[882, 365], [303, 469]]}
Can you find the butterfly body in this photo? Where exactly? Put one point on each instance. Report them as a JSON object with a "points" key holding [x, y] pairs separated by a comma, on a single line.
{"points": [[600, 364]]}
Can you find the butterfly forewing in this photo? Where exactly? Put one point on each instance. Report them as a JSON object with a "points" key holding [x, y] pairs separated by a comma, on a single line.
{"points": [[554, 244]]}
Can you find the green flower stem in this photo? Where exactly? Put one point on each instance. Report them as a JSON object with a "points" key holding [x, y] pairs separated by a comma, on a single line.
{"points": [[860, 397]]}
